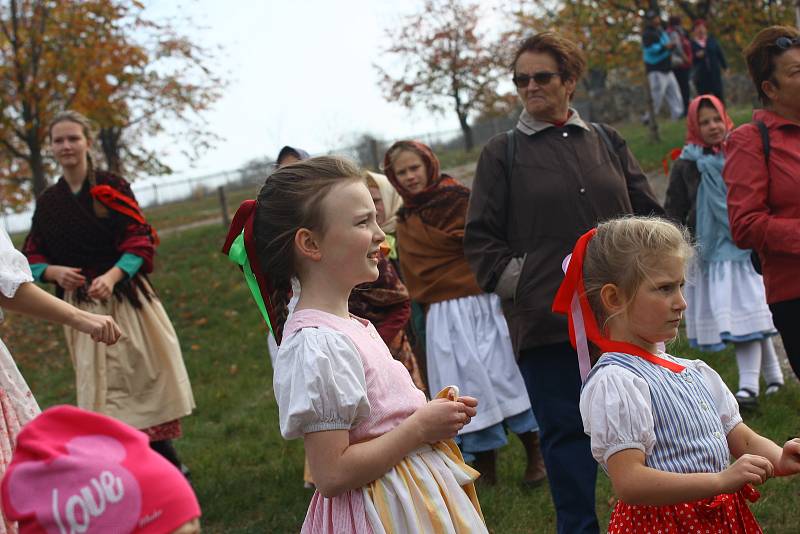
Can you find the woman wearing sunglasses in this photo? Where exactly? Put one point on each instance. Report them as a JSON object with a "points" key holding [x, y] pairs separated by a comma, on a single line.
{"points": [[762, 165], [536, 190]]}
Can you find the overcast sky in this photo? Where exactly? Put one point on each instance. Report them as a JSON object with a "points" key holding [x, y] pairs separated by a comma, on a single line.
{"points": [[301, 73]]}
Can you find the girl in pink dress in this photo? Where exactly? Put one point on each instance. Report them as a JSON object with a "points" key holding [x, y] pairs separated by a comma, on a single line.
{"points": [[382, 458]]}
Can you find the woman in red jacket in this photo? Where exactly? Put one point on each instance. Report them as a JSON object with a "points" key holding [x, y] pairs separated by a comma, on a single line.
{"points": [[762, 166]]}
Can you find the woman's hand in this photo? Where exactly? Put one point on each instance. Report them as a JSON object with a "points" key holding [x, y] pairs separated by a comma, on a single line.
{"points": [[443, 418], [789, 463], [748, 469], [102, 328], [69, 278], [103, 285]]}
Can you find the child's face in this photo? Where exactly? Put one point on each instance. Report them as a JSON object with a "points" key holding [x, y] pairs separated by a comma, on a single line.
{"points": [[380, 209], [350, 244], [657, 307], [712, 127], [410, 171]]}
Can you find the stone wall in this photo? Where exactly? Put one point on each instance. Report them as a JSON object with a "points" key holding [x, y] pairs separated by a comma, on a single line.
{"points": [[626, 102]]}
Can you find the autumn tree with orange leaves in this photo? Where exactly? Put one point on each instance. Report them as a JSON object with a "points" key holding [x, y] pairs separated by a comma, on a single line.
{"points": [[438, 58], [56, 55]]}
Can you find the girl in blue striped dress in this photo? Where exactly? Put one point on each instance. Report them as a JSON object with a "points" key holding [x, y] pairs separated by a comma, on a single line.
{"points": [[663, 428]]}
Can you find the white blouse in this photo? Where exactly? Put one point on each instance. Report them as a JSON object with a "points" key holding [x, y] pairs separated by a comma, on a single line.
{"points": [[617, 411], [14, 268], [319, 383]]}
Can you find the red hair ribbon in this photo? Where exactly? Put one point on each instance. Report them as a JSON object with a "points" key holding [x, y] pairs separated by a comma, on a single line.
{"points": [[243, 222], [571, 301], [114, 200]]}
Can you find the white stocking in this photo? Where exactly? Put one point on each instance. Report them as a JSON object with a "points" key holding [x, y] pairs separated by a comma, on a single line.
{"points": [[748, 356], [770, 366]]}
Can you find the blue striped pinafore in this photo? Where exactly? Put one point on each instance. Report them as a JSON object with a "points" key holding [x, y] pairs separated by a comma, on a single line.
{"points": [[690, 438]]}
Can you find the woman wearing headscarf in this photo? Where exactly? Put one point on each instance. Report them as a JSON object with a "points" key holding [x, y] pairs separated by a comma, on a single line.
{"points": [[725, 296], [467, 338]]}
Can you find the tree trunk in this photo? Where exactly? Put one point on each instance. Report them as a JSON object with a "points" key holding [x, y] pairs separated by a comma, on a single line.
{"points": [[36, 164], [109, 141], [466, 132], [797, 14]]}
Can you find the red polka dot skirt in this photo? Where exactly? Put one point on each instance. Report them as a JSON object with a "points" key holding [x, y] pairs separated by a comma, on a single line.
{"points": [[724, 514], [168, 430]]}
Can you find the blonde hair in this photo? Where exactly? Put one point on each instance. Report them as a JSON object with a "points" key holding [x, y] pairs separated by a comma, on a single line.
{"points": [[86, 126], [625, 252], [72, 116]]}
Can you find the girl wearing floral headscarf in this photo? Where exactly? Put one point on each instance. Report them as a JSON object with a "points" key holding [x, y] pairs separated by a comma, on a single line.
{"points": [[725, 295]]}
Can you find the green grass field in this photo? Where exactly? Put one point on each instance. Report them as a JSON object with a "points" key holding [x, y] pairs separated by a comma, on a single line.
{"points": [[248, 479]]}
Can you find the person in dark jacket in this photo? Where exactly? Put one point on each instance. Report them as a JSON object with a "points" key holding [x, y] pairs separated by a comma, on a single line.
{"points": [[529, 204], [708, 61]]}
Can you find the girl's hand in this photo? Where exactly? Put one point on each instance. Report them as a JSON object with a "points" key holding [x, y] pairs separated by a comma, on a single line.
{"points": [[748, 469], [103, 285], [102, 328], [68, 278], [443, 418], [789, 463], [470, 405]]}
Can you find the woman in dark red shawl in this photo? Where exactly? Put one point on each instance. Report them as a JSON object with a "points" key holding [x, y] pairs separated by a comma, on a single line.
{"points": [[90, 238], [467, 342]]}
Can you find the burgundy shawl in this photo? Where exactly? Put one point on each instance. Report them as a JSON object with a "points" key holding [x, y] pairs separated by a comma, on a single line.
{"points": [[66, 231]]}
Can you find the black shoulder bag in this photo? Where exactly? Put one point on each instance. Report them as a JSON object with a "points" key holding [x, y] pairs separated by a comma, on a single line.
{"points": [[762, 128]]}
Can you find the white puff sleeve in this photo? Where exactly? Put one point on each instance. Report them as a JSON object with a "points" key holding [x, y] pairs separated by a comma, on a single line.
{"points": [[14, 268], [724, 401], [319, 383], [617, 413]]}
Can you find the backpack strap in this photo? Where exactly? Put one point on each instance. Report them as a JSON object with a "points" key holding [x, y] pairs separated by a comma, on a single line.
{"points": [[511, 147], [762, 128], [604, 134], [755, 259]]}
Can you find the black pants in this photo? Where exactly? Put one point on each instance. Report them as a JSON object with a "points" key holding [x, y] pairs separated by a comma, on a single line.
{"points": [[553, 381], [165, 448], [682, 75], [786, 316]]}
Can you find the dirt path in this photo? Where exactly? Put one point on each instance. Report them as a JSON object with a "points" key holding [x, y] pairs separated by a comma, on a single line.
{"points": [[172, 230]]}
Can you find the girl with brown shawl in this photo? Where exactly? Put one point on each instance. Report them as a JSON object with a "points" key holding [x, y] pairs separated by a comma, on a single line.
{"points": [[467, 339], [90, 238]]}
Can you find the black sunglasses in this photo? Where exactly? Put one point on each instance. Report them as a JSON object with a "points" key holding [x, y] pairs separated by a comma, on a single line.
{"points": [[541, 78], [785, 43]]}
